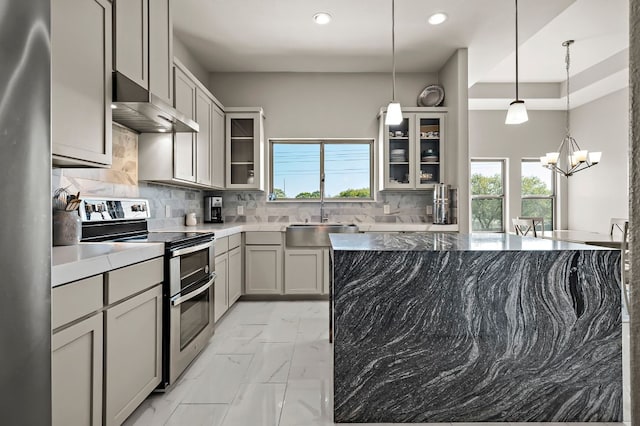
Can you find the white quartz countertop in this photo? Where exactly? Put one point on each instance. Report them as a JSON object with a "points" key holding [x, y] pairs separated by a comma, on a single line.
{"points": [[225, 229], [72, 263]]}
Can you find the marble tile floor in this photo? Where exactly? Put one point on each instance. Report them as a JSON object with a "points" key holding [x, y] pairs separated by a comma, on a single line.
{"points": [[268, 364]]}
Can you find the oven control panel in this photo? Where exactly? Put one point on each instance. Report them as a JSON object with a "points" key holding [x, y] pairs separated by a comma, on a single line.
{"points": [[112, 209]]}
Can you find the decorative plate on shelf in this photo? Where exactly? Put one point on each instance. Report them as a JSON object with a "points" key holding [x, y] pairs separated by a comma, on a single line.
{"points": [[431, 96]]}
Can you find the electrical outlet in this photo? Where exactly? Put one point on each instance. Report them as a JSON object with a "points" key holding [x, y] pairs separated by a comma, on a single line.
{"points": [[167, 211], [240, 210], [386, 208]]}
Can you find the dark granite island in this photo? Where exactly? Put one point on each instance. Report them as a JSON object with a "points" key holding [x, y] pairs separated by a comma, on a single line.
{"points": [[475, 328]]}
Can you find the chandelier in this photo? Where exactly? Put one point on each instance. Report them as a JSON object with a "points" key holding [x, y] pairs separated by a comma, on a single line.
{"points": [[569, 158]]}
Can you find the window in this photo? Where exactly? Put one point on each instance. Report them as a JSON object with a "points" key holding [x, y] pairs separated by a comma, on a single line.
{"points": [[298, 166], [537, 192], [487, 195]]}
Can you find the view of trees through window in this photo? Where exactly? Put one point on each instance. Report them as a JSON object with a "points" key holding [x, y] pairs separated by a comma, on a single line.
{"points": [[487, 196], [298, 167], [537, 190]]}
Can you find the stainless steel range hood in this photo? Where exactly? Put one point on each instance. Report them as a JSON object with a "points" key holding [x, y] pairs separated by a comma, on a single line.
{"points": [[138, 109]]}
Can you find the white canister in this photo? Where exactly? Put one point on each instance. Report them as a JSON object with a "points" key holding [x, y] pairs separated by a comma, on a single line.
{"points": [[190, 219]]}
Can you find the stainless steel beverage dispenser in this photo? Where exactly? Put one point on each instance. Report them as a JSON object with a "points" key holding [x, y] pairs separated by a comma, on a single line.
{"points": [[441, 205]]}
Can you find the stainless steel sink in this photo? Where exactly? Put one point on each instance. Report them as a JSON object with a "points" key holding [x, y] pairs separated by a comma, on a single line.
{"points": [[316, 234]]}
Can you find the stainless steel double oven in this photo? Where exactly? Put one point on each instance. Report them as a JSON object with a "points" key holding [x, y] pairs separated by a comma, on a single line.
{"points": [[189, 305], [188, 320]]}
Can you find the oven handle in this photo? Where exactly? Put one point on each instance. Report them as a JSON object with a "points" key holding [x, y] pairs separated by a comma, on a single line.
{"points": [[178, 299], [191, 249]]}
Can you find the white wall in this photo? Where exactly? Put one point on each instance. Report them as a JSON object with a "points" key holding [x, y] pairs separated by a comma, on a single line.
{"points": [[299, 105], [185, 56], [454, 78], [489, 137], [602, 192]]}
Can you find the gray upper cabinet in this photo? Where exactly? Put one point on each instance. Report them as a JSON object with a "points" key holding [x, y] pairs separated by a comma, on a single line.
{"points": [[81, 82], [161, 50], [184, 143], [131, 35], [187, 159], [217, 148], [204, 116], [245, 148]]}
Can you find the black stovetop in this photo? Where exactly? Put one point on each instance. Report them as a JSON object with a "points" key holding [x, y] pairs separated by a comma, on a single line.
{"points": [[171, 240], [136, 231]]}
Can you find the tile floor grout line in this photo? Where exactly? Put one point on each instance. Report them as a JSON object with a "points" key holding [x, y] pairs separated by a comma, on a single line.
{"points": [[235, 395], [170, 415], [286, 383]]}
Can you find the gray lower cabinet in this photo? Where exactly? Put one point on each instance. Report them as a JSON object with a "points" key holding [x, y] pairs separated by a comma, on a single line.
{"points": [[106, 349], [326, 270], [234, 275], [81, 82], [263, 269], [303, 271], [76, 374], [76, 352], [133, 355], [263, 262], [220, 299], [228, 287]]}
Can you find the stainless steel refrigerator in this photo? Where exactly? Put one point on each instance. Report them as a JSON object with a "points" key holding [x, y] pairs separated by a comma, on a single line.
{"points": [[25, 212]]}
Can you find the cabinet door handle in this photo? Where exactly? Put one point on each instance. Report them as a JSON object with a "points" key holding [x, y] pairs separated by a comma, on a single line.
{"points": [[177, 300]]}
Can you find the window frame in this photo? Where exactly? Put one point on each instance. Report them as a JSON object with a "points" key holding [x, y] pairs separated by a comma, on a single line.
{"points": [[552, 197], [322, 142], [503, 197]]}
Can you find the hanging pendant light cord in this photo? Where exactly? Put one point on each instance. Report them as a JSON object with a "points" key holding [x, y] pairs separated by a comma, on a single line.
{"points": [[567, 60], [517, 98], [393, 47]]}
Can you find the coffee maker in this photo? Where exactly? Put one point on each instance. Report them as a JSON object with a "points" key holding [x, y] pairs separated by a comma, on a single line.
{"points": [[213, 209]]}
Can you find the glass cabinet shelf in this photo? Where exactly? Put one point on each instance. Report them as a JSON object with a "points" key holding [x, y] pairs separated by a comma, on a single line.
{"points": [[413, 151]]}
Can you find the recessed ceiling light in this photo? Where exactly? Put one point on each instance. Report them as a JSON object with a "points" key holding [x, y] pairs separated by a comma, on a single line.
{"points": [[322, 18], [437, 18]]}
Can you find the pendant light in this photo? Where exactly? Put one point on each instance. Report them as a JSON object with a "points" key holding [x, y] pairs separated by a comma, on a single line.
{"points": [[569, 158], [517, 112], [394, 112]]}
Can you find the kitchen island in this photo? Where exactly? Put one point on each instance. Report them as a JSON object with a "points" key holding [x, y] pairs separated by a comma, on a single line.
{"points": [[475, 328]]}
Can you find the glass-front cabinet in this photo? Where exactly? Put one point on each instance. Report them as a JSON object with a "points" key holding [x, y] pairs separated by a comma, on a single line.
{"points": [[245, 148], [413, 151]]}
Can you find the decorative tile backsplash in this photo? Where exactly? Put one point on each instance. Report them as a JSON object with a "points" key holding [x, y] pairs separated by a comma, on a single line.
{"points": [[405, 207], [121, 180]]}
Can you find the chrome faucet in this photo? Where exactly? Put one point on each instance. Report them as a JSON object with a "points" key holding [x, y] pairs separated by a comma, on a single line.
{"points": [[323, 218]]}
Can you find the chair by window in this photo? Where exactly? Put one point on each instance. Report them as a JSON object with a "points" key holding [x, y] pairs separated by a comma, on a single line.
{"points": [[538, 223], [621, 226], [524, 227]]}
